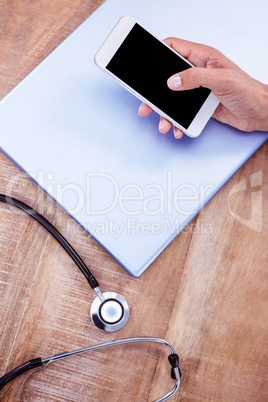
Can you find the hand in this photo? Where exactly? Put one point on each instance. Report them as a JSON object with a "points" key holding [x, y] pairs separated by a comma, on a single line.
{"points": [[244, 100]]}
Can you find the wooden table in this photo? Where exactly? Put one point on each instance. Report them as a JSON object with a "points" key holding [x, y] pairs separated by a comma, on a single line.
{"points": [[206, 293]]}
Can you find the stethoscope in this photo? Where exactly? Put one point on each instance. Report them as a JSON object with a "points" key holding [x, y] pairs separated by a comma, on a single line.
{"points": [[109, 311], [38, 362]]}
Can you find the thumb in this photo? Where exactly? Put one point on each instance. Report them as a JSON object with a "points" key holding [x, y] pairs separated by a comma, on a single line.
{"points": [[216, 79]]}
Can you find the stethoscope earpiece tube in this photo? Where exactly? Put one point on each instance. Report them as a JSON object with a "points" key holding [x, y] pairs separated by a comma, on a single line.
{"points": [[173, 360]]}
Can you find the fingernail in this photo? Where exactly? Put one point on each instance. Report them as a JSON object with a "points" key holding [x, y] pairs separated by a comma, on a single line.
{"points": [[174, 82], [139, 111], [177, 133], [160, 126]]}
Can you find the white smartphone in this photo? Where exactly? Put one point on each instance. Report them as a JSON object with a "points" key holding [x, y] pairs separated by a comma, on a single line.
{"points": [[142, 64]]}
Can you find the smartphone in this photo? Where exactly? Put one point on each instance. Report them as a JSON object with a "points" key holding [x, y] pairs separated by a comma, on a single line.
{"points": [[142, 64]]}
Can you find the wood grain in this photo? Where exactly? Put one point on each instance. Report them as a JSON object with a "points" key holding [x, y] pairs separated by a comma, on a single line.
{"points": [[206, 293]]}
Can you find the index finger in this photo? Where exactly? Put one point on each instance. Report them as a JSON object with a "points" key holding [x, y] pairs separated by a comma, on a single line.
{"points": [[200, 55], [196, 53]]}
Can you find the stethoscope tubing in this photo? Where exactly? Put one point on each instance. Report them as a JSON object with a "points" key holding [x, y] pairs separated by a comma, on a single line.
{"points": [[55, 233], [39, 361], [65, 355]]}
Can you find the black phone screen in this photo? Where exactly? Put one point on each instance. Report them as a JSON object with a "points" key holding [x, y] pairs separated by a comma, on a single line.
{"points": [[145, 64]]}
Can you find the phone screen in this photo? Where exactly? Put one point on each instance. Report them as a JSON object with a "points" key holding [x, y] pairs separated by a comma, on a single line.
{"points": [[145, 64]]}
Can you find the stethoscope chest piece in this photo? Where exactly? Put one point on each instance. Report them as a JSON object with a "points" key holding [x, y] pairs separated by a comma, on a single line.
{"points": [[110, 313]]}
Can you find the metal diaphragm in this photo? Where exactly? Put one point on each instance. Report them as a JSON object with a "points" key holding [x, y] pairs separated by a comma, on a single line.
{"points": [[111, 314]]}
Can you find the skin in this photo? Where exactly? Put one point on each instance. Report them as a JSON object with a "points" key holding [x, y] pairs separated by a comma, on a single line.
{"points": [[243, 100]]}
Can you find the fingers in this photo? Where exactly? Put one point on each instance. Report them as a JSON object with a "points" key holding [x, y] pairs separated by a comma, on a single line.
{"points": [[145, 110], [201, 55], [164, 125], [220, 81], [196, 53], [178, 134]]}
